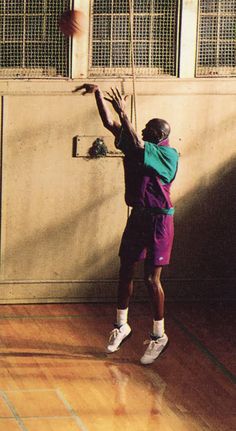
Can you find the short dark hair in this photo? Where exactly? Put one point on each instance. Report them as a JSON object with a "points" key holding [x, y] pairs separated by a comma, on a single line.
{"points": [[160, 126]]}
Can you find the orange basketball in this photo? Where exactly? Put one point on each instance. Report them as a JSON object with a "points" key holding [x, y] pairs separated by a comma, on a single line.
{"points": [[72, 23]]}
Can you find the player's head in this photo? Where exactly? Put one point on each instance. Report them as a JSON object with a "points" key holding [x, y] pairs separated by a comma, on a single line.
{"points": [[156, 130]]}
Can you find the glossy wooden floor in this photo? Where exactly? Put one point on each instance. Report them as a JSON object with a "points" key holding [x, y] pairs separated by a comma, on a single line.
{"points": [[54, 375]]}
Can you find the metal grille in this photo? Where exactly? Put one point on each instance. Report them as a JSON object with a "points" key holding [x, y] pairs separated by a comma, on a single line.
{"points": [[31, 44], [216, 38], [155, 25]]}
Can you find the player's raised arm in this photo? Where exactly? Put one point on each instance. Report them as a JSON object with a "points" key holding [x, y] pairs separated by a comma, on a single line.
{"points": [[104, 112], [118, 102]]}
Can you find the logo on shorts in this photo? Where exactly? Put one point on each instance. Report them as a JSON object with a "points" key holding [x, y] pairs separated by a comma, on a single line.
{"points": [[161, 258]]}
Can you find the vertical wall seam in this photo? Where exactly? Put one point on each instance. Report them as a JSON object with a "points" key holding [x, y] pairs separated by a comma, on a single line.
{"points": [[1, 174]]}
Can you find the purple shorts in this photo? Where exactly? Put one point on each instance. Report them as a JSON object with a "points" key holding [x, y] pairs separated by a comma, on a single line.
{"points": [[147, 236]]}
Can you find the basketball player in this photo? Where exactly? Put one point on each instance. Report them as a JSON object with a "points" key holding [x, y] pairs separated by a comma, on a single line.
{"points": [[150, 166]]}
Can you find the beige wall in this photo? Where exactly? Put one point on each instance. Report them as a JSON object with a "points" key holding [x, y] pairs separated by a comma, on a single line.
{"points": [[62, 217]]}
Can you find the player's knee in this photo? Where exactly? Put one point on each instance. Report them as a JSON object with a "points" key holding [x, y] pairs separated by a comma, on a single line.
{"points": [[152, 281], [148, 279]]}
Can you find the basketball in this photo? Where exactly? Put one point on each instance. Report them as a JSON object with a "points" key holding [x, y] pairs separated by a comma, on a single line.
{"points": [[72, 23]]}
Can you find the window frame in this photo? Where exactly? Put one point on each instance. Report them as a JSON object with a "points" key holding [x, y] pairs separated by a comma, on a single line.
{"points": [[211, 74], [22, 71], [141, 71]]}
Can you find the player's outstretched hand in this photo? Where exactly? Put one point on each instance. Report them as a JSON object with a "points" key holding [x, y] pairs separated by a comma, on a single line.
{"points": [[117, 100], [85, 88]]}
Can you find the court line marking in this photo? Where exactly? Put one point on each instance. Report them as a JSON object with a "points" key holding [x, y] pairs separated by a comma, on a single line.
{"points": [[29, 390], [66, 316], [73, 414], [37, 417], [227, 373], [73, 316], [13, 411]]}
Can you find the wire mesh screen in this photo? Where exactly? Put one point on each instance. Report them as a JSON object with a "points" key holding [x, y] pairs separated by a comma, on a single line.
{"points": [[155, 25], [31, 44], [217, 38]]}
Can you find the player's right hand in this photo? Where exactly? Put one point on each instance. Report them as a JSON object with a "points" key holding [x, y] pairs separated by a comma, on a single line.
{"points": [[86, 88], [117, 100]]}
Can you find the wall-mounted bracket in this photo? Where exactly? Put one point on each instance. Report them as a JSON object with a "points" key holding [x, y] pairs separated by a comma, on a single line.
{"points": [[91, 146], [75, 146]]}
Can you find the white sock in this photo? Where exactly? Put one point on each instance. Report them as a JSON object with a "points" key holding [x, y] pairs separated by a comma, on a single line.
{"points": [[121, 316], [158, 328]]}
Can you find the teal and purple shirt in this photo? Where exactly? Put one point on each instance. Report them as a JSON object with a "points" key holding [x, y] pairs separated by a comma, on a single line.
{"points": [[149, 173]]}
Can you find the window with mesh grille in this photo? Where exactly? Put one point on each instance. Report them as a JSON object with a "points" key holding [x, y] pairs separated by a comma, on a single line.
{"points": [[31, 44], [216, 38], [154, 37]]}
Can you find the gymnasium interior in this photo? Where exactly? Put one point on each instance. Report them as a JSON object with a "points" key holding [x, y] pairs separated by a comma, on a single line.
{"points": [[63, 214]]}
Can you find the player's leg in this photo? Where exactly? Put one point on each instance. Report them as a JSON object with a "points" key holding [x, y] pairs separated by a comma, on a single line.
{"points": [[131, 251], [122, 330], [125, 286], [158, 339], [159, 251], [152, 275]]}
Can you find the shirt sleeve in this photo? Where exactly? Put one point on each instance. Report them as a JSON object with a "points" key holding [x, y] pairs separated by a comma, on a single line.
{"points": [[163, 160]]}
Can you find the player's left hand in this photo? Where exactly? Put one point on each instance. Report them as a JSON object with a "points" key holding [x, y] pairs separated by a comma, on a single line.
{"points": [[86, 88], [117, 100]]}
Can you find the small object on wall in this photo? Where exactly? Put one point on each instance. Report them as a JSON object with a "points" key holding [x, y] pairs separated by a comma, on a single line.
{"points": [[75, 142], [98, 149]]}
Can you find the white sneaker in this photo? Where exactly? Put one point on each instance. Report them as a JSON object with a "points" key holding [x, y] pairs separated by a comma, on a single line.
{"points": [[154, 349], [117, 337]]}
